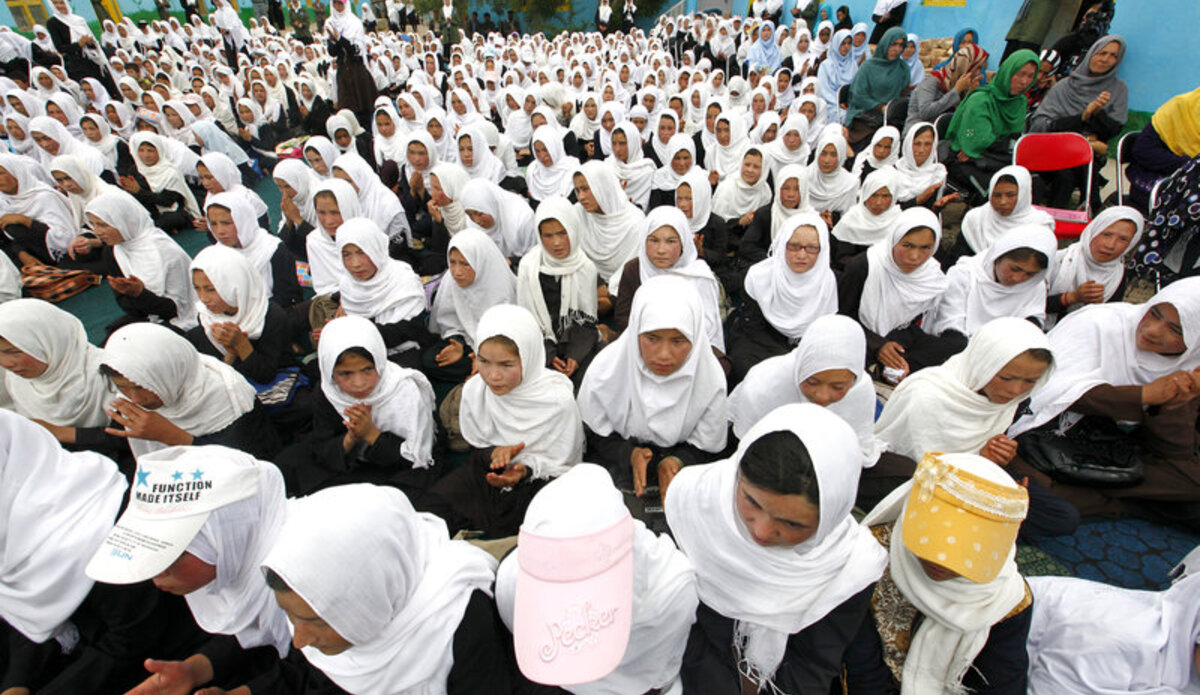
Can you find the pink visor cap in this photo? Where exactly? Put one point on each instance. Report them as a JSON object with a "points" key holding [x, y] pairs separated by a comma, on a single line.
{"points": [[573, 608]]}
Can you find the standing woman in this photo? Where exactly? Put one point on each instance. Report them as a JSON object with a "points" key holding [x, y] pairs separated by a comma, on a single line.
{"points": [[356, 89], [887, 14], [73, 40], [784, 573]]}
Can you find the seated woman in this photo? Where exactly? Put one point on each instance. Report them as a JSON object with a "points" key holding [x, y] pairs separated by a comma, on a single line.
{"points": [[372, 420], [551, 171], [1127, 363], [753, 526], [957, 583], [921, 174], [447, 146], [980, 136], [52, 140], [836, 71], [256, 134], [1135, 639], [882, 151], [557, 283], [374, 199], [1009, 206], [635, 170], [724, 158], [218, 174], [694, 199], [447, 217], [298, 216], [945, 87], [57, 508], [521, 421], [890, 288], [171, 395], [147, 270], [389, 144], [348, 136], [870, 220], [384, 290], [739, 195], [610, 222], [504, 216], [788, 200], [429, 625], [475, 156], [230, 220], [682, 159], [240, 323], [879, 79], [789, 148], [320, 153], [828, 187], [51, 372], [333, 201], [1092, 270], [479, 278], [81, 186], [413, 185], [656, 148], [159, 186], [653, 401], [669, 248], [784, 293], [37, 222], [1164, 146]]}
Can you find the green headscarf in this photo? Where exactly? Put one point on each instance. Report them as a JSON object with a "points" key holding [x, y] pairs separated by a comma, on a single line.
{"points": [[992, 112], [879, 80]]}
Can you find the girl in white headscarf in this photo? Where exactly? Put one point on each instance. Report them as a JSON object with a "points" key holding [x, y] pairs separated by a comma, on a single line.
{"points": [[610, 221], [443, 137], [334, 201], [551, 171], [788, 199], [1010, 205], [166, 191], [476, 157], [53, 140], [447, 183], [425, 621], [297, 184], [870, 219], [785, 292], [1092, 270], [28, 203], [830, 188], [81, 184], [521, 421], [231, 222], [502, 215], [375, 200], [921, 174], [654, 399], [781, 565], [99, 135], [789, 146], [739, 194], [220, 174], [880, 153], [725, 157], [634, 169]]}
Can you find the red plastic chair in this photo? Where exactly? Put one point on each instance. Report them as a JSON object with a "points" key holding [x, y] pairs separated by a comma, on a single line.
{"points": [[1055, 152]]}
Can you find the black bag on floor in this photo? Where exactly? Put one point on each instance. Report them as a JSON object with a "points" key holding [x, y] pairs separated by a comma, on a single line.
{"points": [[1093, 453]]}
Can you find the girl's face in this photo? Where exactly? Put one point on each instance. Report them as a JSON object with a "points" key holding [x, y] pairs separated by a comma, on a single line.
{"points": [[385, 126], [328, 214], [664, 351], [710, 118], [342, 137], [722, 133], [583, 193], [285, 189], [909, 50], [914, 249], [316, 161], [207, 293], [1004, 198], [246, 115], [542, 154], [1161, 331], [1022, 79], [460, 269], [681, 163], [683, 199], [555, 239], [358, 263], [808, 110], [406, 110], [792, 140], [14, 131], [355, 375], [775, 520], [666, 129], [590, 109], [789, 194], [466, 152], [418, 156], [457, 104], [607, 121], [751, 168], [481, 218], [827, 161], [66, 183], [220, 223], [187, 574], [823, 35], [883, 149], [130, 95], [210, 182], [1112, 243], [148, 154], [769, 134], [803, 249], [53, 111], [46, 142], [639, 122], [173, 117], [923, 147], [828, 387], [1015, 380], [664, 247], [107, 233], [435, 129], [20, 363], [499, 366], [879, 201], [259, 92], [759, 102], [45, 80], [620, 146], [1010, 272]]}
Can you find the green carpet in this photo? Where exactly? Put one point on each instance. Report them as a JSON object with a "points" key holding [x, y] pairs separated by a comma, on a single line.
{"points": [[96, 306]]}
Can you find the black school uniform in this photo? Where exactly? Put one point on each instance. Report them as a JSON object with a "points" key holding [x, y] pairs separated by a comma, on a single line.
{"points": [[466, 501], [272, 349], [579, 341], [752, 339]]}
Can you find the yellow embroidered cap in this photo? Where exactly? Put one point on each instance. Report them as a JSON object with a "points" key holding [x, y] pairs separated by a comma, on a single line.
{"points": [[963, 514]]}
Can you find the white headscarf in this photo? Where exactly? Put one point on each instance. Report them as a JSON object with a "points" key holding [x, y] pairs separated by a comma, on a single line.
{"points": [[163, 175], [1098, 345], [727, 159], [324, 259], [376, 200], [734, 197], [484, 164], [892, 298], [254, 242], [55, 509], [959, 613], [610, 237], [836, 190], [387, 578], [453, 180], [401, 403], [859, 225], [87, 180], [837, 342], [665, 177], [942, 409], [637, 174], [688, 266], [395, 147], [304, 182], [71, 392], [1075, 264], [229, 176], [512, 226], [982, 226], [540, 412], [424, 139], [779, 155], [556, 179], [200, 394], [774, 592], [780, 214], [576, 273], [36, 199], [790, 301], [621, 394], [457, 310], [239, 285], [914, 180], [867, 156], [147, 253], [974, 296], [394, 293]]}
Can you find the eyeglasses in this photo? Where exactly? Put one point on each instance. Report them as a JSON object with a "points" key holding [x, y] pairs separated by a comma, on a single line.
{"points": [[810, 250]]}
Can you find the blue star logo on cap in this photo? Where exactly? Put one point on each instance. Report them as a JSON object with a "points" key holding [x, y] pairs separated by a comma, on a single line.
{"points": [[142, 476], [197, 474], [177, 475]]}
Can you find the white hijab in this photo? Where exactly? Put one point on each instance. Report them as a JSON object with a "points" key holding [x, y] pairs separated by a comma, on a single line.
{"points": [[892, 298], [239, 285], [779, 155], [790, 301], [375, 200], [401, 403], [1075, 264], [387, 578], [982, 226], [576, 273], [859, 225], [255, 243], [484, 164], [453, 180], [540, 412], [637, 174], [56, 507], [914, 179], [727, 159], [621, 394], [867, 156], [735, 197], [304, 182], [780, 214], [941, 408], [556, 179], [974, 296], [774, 592], [200, 394], [324, 259], [836, 190], [36, 198], [394, 293], [512, 226], [163, 175], [395, 147], [146, 252], [457, 310], [688, 266], [837, 342], [610, 237], [229, 176]]}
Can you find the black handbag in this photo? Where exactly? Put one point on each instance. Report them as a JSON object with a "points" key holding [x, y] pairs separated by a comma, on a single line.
{"points": [[1093, 453]]}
